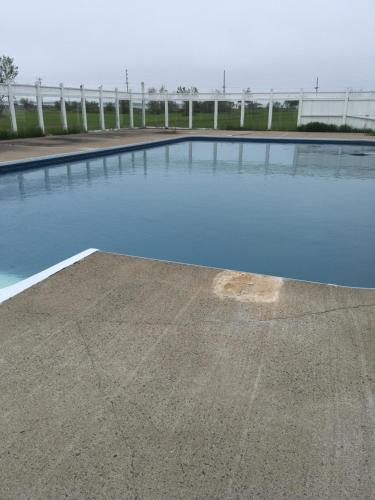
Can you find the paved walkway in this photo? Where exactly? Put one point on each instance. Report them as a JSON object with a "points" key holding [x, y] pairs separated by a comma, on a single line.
{"points": [[18, 149], [130, 378]]}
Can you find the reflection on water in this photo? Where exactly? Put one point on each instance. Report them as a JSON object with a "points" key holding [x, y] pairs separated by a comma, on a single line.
{"points": [[298, 210], [304, 160], [301, 159]]}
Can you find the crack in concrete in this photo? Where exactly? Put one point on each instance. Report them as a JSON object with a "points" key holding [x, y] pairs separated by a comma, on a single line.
{"points": [[319, 313], [288, 318]]}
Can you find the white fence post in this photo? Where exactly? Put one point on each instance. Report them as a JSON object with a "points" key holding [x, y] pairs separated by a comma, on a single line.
{"points": [[242, 116], [346, 105], [101, 108], [166, 113], [191, 111], [117, 109], [13, 119], [216, 112], [300, 105], [83, 109], [131, 111], [64, 121], [143, 105], [39, 104], [351, 105], [270, 109]]}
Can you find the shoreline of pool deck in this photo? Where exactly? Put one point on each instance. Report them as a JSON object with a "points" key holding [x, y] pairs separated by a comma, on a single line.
{"points": [[23, 149], [137, 378]]}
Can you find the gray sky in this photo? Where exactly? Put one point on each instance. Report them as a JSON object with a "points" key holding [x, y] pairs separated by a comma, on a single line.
{"points": [[283, 44]]}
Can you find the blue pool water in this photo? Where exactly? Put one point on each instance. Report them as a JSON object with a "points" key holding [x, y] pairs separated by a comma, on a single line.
{"points": [[303, 211]]}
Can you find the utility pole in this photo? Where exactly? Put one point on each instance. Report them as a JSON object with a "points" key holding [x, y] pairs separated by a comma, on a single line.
{"points": [[127, 81], [224, 83], [317, 85]]}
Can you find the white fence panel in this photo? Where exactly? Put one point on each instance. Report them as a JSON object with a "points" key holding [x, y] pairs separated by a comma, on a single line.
{"points": [[359, 112], [322, 110], [361, 106], [365, 123]]}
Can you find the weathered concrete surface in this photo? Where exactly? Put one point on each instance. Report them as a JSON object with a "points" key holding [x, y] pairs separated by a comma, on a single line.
{"points": [[18, 149], [130, 378]]}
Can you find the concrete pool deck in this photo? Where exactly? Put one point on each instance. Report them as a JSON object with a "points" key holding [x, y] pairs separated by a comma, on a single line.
{"points": [[20, 149], [124, 377]]}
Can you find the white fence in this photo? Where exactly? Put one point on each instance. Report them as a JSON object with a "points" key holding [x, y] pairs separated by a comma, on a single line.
{"points": [[356, 109]]}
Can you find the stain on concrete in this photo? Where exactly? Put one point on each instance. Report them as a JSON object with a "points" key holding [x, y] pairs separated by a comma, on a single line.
{"points": [[247, 287]]}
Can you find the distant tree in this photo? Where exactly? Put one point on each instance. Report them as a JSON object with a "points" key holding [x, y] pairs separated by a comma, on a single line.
{"points": [[203, 106], [8, 73], [182, 106], [109, 107], [92, 107], [71, 105], [8, 70], [174, 106], [291, 104], [27, 103], [155, 107], [225, 106], [253, 105], [124, 107], [152, 106], [181, 89]]}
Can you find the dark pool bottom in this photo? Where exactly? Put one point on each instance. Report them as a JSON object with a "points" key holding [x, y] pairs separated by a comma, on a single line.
{"points": [[302, 210]]}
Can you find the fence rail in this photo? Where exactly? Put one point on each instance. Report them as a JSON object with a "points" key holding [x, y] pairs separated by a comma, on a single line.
{"points": [[356, 109]]}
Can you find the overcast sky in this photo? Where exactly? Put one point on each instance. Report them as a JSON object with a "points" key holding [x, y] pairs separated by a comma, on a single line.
{"points": [[280, 44]]}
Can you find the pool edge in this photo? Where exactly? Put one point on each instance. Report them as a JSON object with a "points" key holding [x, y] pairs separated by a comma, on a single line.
{"points": [[12, 290], [39, 161]]}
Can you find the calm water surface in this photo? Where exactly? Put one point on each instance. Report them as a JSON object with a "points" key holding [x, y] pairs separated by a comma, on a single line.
{"points": [[299, 211]]}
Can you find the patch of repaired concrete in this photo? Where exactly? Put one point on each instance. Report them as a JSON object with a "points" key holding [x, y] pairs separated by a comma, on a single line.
{"points": [[247, 287]]}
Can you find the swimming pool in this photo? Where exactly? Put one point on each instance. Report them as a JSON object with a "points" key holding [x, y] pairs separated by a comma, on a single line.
{"points": [[298, 210]]}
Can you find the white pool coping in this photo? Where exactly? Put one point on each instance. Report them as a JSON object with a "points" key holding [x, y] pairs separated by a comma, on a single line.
{"points": [[12, 290]]}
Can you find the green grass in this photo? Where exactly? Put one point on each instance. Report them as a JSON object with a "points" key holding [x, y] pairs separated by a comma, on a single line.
{"points": [[203, 120], [27, 120], [152, 119], [8, 134], [255, 119], [284, 119], [179, 117], [176, 118], [137, 117]]}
